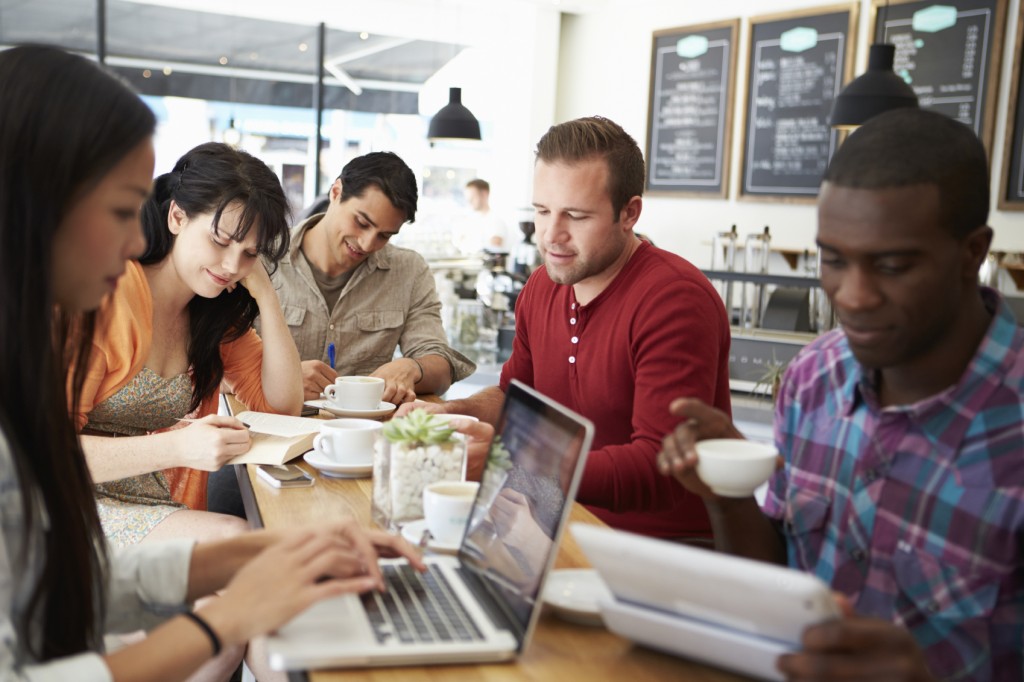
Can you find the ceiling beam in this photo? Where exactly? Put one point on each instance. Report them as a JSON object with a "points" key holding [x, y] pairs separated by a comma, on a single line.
{"points": [[258, 74]]}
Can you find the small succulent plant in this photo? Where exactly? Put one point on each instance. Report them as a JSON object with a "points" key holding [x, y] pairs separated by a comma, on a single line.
{"points": [[499, 458], [417, 429]]}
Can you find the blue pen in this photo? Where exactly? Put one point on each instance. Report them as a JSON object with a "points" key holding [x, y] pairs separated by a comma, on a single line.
{"points": [[330, 354]]}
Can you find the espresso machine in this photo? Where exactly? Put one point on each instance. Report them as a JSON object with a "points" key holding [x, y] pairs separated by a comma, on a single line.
{"points": [[524, 255]]}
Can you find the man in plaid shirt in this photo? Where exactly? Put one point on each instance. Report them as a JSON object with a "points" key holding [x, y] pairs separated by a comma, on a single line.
{"points": [[902, 432]]}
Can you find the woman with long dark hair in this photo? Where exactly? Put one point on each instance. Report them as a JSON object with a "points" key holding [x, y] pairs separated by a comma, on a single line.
{"points": [[180, 322], [76, 159]]}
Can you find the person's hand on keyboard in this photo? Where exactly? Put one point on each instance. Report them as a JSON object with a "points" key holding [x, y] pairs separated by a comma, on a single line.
{"points": [[273, 575]]}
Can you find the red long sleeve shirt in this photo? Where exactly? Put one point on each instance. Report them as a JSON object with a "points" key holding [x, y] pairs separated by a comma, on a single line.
{"points": [[659, 331]]}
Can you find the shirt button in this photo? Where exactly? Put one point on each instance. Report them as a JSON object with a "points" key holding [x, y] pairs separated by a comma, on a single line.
{"points": [[572, 307], [857, 554], [575, 339], [572, 359], [331, 327], [572, 320]]}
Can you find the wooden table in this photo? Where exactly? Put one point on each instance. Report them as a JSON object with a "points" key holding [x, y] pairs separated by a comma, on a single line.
{"points": [[559, 650]]}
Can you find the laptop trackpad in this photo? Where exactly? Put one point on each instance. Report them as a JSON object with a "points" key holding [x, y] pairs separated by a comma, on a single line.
{"points": [[340, 620]]}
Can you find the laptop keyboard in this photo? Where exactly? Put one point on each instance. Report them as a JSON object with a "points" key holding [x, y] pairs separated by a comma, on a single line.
{"points": [[418, 607]]}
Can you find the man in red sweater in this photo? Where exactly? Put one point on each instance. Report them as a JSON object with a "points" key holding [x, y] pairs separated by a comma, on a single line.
{"points": [[614, 328]]}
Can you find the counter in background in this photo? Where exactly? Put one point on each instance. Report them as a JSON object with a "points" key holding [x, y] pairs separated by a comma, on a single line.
{"points": [[487, 374]]}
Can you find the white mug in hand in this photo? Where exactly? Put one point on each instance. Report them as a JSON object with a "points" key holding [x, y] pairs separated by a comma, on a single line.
{"points": [[355, 392], [734, 468], [348, 441], [446, 507]]}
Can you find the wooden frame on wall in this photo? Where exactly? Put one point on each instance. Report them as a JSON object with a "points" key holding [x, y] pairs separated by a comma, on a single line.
{"points": [[948, 93], [816, 44], [1011, 182], [690, 108]]}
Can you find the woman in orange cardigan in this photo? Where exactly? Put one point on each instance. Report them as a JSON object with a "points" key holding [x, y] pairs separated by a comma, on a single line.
{"points": [[180, 322]]}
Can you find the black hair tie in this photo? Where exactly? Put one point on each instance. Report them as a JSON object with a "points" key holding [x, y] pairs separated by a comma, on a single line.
{"points": [[205, 627]]}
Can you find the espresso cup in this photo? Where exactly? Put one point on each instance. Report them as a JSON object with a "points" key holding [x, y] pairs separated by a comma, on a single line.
{"points": [[348, 441], [446, 507], [733, 467], [355, 392]]}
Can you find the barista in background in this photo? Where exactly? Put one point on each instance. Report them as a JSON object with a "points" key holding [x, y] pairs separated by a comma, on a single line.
{"points": [[483, 229]]}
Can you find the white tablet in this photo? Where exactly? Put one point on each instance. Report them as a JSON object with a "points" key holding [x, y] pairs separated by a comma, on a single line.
{"points": [[734, 613]]}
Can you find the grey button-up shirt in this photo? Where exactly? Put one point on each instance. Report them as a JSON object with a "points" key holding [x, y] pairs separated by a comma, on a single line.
{"points": [[146, 584], [389, 302]]}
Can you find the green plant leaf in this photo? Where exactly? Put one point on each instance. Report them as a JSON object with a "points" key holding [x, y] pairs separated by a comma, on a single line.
{"points": [[418, 428]]}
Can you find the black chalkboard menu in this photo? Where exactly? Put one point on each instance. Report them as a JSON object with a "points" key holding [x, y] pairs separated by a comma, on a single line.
{"points": [[948, 51], [1011, 196], [798, 63], [690, 110]]}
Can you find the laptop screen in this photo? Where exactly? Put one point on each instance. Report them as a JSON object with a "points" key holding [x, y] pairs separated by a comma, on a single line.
{"points": [[528, 482]]}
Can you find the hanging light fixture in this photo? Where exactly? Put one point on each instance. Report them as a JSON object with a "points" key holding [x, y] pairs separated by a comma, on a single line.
{"points": [[232, 135], [877, 90], [454, 121]]}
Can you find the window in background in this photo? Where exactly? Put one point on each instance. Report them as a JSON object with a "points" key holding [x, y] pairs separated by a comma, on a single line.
{"points": [[68, 23], [250, 82]]}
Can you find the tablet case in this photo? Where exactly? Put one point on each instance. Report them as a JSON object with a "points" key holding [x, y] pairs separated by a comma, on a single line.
{"points": [[726, 611]]}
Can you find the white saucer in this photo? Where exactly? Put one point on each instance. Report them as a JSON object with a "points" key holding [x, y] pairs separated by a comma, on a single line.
{"points": [[574, 593], [413, 531], [383, 410], [329, 467]]}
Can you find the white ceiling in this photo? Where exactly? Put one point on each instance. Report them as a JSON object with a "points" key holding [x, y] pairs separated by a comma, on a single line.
{"points": [[382, 45], [460, 21]]}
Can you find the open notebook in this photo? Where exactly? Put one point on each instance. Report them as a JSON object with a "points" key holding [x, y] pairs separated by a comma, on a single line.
{"points": [[482, 604], [277, 438]]}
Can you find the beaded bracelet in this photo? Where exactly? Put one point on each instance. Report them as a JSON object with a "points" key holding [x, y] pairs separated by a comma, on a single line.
{"points": [[205, 627]]}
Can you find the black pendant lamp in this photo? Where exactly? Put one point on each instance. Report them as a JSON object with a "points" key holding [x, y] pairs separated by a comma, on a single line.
{"points": [[454, 121], [877, 90]]}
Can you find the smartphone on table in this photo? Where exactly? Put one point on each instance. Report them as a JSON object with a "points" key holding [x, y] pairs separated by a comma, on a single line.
{"points": [[284, 475]]}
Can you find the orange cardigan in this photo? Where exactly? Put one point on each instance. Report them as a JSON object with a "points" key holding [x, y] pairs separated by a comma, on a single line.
{"points": [[124, 336]]}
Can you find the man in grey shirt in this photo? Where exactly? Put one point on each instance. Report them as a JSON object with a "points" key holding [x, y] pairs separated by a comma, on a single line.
{"points": [[343, 283]]}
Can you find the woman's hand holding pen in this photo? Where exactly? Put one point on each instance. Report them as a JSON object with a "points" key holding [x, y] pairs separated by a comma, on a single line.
{"points": [[209, 443]]}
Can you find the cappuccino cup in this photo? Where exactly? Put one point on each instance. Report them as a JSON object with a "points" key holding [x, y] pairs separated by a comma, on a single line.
{"points": [[355, 392], [348, 441], [446, 507]]}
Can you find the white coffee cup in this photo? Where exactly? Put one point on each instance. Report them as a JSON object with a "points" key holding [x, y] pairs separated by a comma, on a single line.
{"points": [[355, 392], [348, 441], [733, 467], [446, 507]]}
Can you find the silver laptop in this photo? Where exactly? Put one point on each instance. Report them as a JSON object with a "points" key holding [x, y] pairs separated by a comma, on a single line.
{"points": [[482, 604]]}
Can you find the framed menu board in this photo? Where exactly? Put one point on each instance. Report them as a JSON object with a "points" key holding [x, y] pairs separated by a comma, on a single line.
{"points": [[798, 63], [690, 109], [1011, 192], [949, 51]]}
